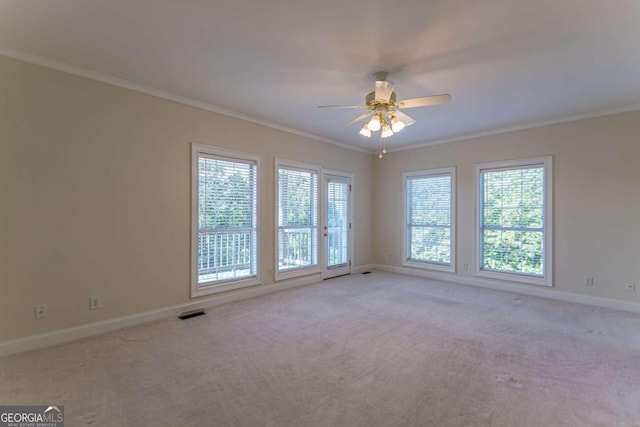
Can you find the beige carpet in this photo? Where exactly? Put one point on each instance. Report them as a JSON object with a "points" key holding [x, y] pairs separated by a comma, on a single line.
{"points": [[362, 350]]}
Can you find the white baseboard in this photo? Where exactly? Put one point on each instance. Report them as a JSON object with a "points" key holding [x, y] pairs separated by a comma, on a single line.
{"points": [[362, 268], [69, 334], [60, 336], [515, 288]]}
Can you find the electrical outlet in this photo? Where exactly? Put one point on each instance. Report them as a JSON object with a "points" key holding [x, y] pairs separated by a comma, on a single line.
{"points": [[588, 280], [630, 286], [40, 311], [95, 303], [465, 266]]}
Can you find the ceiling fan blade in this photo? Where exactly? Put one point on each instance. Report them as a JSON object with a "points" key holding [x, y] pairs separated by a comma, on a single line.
{"points": [[383, 90], [424, 101], [344, 106], [360, 118], [404, 118]]}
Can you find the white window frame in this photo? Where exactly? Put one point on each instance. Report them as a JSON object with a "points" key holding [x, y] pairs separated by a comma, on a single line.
{"points": [[451, 268], [547, 163], [221, 285], [305, 270]]}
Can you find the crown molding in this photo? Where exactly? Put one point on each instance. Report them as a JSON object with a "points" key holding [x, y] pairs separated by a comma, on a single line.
{"points": [[159, 93], [530, 125]]}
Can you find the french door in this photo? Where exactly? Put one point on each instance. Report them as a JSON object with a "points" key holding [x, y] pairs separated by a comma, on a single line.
{"points": [[336, 224]]}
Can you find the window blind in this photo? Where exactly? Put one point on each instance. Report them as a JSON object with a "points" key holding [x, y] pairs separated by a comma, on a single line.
{"points": [[227, 219], [429, 218], [297, 218], [337, 223], [512, 221]]}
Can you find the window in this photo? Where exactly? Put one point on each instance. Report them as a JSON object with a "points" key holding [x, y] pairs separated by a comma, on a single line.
{"points": [[338, 220], [429, 202], [297, 216], [514, 221], [225, 221]]}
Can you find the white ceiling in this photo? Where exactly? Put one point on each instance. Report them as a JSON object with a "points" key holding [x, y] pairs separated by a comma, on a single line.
{"points": [[506, 63]]}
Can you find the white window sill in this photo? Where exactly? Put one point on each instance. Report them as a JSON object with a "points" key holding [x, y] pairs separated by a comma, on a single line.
{"points": [[521, 278], [296, 272], [214, 288], [429, 266]]}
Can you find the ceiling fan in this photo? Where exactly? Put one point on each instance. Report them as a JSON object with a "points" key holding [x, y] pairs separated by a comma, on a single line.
{"points": [[384, 110]]}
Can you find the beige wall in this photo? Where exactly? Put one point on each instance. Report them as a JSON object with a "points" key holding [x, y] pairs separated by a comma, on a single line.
{"points": [[596, 167], [95, 195]]}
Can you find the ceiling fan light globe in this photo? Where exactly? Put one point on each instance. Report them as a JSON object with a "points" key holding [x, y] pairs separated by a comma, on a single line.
{"points": [[374, 124], [386, 132], [396, 125], [365, 132]]}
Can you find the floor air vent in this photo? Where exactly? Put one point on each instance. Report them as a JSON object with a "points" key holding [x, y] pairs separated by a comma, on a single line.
{"points": [[190, 314]]}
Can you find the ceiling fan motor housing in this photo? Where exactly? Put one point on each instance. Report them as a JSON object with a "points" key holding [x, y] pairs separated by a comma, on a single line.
{"points": [[371, 96], [380, 76]]}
